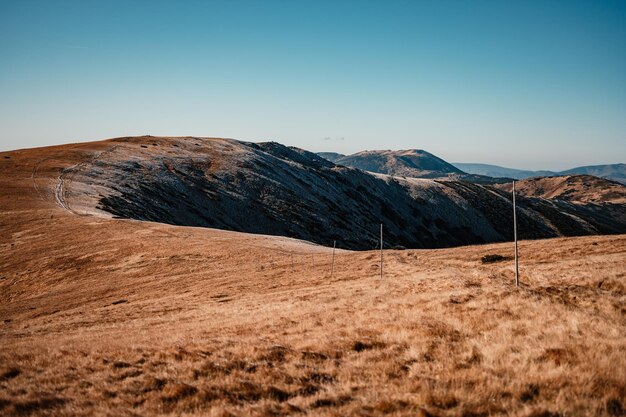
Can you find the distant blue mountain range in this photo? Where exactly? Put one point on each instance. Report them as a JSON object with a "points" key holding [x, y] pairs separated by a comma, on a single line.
{"points": [[615, 172]]}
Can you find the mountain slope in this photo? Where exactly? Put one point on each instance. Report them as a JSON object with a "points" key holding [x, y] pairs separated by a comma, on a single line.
{"points": [[269, 188]]}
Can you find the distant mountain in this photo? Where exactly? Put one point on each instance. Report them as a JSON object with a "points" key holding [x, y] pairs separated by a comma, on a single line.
{"points": [[331, 156], [614, 172], [498, 171], [413, 163]]}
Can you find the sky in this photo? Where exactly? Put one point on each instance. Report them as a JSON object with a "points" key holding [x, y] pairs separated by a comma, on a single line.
{"points": [[528, 84]]}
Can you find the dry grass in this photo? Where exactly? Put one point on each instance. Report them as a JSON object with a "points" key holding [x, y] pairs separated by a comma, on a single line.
{"points": [[110, 317]]}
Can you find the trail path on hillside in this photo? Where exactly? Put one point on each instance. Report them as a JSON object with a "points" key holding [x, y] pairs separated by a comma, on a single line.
{"points": [[65, 177]]}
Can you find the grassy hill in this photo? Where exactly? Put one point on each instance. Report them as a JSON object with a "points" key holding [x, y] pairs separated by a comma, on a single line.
{"points": [[106, 316], [269, 188]]}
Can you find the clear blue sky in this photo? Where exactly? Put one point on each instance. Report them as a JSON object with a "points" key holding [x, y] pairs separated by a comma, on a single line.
{"points": [[524, 84]]}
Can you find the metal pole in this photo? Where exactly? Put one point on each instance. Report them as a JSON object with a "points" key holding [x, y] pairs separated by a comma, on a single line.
{"points": [[332, 268], [381, 250], [515, 238]]}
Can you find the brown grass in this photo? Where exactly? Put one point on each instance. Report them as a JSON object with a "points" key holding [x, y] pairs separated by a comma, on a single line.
{"points": [[109, 317]]}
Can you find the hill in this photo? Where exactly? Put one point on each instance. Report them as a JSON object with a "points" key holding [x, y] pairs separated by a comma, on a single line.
{"points": [[109, 316], [268, 188], [579, 189]]}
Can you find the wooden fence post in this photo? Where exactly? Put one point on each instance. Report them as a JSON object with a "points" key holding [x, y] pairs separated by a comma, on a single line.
{"points": [[332, 267], [381, 250], [515, 238]]}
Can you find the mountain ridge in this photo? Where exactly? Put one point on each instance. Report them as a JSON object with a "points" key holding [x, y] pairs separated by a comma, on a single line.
{"points": [[272, 189]]}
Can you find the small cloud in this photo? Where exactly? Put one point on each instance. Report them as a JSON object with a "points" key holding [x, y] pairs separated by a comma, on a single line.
{"points": [[331, 138]]}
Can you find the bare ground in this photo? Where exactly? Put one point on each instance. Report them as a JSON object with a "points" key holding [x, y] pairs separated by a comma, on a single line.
{"points": [[114, 317]]}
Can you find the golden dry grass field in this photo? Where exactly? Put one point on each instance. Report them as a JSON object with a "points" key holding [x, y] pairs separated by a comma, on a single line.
{"points": [[108, 317]]}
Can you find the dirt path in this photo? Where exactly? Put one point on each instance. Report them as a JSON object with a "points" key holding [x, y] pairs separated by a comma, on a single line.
{"points": [[66, 177]]}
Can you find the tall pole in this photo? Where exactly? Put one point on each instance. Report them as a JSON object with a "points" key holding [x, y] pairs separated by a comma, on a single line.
{"points": [[381, 250], [332, 268], [515, 238]]}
